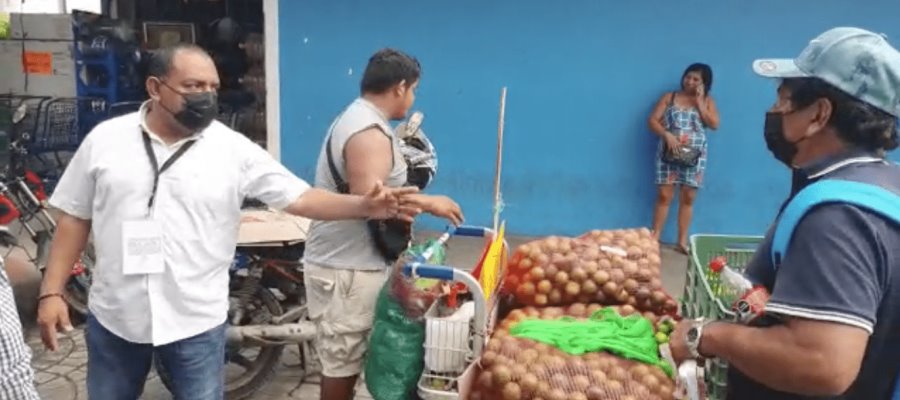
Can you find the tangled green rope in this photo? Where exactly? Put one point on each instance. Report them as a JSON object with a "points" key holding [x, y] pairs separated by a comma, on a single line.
{"points": [[629, 337]]}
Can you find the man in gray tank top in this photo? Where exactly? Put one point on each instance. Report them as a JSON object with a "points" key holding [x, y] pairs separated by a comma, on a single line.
{"points": [[344, 271]]}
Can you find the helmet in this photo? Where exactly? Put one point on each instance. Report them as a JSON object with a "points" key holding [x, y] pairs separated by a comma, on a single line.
{"points": [[420, 155]]}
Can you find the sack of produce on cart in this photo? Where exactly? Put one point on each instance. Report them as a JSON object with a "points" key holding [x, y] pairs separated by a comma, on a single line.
{"points": [[557, 353], [395, 358], [416, 294], [637, 243], [605, 267], [576, 310]]}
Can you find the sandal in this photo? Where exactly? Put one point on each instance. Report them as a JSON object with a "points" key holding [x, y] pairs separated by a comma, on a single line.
{"points": [[683, 249]]}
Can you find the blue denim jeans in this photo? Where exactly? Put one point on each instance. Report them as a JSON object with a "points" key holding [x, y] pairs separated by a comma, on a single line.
{"points": [[117, 368]]}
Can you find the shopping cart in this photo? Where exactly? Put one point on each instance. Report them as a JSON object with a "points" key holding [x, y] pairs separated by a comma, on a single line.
{"points": [[453, 345]]}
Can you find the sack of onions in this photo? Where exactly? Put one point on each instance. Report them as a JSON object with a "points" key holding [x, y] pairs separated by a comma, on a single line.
{"points": [[577, 311], [545, 361], [605, 267]]}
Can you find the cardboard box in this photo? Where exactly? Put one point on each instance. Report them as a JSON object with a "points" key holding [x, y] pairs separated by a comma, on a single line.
{"points": [[38, 68], [41, 26]]}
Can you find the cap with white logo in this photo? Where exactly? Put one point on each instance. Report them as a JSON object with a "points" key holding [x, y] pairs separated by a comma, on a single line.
{"points": [[859, 62]]}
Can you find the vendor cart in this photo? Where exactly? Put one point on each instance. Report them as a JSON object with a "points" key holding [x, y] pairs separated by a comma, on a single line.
{"points": [[453, 345]]}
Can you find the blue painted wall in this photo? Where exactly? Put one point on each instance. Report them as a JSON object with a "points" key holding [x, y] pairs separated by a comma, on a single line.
{"points": [[582, 77]]}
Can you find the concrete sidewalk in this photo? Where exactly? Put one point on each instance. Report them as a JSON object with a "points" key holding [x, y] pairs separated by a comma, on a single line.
{"points": [[61, 375]]}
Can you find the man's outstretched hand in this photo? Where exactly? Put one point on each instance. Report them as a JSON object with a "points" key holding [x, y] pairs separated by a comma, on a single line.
{"points": [[439, 206], [384, 203]]}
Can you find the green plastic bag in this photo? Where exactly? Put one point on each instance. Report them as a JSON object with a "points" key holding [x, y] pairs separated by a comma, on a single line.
{"points": [[396, 355], [438, 256]]}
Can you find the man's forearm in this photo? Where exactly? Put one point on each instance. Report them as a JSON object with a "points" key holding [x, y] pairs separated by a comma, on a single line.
{"points": [[423, 201], [65, 250], [770, 356], [323, 205]]}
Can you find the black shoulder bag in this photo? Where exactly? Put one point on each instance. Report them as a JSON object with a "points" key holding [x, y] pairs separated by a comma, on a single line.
{"points": [[391, 236], [683, 155]]}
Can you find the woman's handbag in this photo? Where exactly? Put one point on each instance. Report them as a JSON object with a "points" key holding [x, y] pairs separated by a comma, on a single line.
{"points": [[683, 155]]}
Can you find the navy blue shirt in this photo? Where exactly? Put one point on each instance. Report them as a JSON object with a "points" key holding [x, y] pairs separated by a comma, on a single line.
{"points": [[842, 265]]}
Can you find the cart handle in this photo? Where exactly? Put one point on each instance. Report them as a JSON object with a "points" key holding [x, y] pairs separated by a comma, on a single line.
{"points": [[452, 274], [462, 230], [469, 230]]}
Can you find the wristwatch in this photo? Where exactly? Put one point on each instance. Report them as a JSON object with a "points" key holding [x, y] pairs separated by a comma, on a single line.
{"points": [[693, 336]]}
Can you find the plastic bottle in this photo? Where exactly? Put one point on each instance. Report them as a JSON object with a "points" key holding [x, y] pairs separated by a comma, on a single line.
{"points": [[734, 282]]}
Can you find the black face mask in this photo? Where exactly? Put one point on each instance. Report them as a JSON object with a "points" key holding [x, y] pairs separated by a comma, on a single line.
{"points": [[198, 111], [783, 149]]}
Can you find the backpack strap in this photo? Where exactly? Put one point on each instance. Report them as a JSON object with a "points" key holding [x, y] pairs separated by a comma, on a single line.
{"points": [[342, 186], [863, 195]]}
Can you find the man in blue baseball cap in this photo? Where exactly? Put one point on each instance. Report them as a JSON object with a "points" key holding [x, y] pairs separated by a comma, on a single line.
{"points": [[831, 261]]}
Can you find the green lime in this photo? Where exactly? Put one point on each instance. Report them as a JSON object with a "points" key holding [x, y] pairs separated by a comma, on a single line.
{"points": [[661, 338], [426, 283], [665, 328]]}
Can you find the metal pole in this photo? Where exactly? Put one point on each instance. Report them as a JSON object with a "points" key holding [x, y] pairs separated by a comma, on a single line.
{"points": [[497, 199]]}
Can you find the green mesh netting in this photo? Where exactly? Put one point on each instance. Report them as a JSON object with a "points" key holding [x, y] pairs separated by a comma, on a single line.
{"points": [[628, 337]]}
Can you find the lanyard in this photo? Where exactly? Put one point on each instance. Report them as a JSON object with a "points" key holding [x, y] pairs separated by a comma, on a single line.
{"points": [[157, 171]]}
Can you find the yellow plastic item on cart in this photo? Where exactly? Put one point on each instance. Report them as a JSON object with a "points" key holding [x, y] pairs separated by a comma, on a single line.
{"points": [[493, 261]]}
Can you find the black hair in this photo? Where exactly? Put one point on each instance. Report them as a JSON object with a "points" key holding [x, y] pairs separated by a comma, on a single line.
{"points": [[705, 72], [388, 67], [856, 122], [160, 63]]}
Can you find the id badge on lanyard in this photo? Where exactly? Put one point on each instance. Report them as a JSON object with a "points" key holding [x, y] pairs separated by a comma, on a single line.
{"points": [[142, 240]]}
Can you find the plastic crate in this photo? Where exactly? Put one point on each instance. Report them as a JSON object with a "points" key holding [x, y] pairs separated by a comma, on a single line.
{"points": [[702, 296]]}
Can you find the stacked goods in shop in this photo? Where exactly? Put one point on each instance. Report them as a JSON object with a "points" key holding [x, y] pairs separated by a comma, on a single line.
{"points": [[606, 267], [618, 361]]}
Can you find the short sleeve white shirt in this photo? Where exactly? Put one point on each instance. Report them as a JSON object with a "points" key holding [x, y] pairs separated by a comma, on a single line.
{"points": [[197, 204]]}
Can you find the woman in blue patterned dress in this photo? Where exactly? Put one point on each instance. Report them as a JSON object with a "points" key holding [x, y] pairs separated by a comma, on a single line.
{"points": [[681, 119]]}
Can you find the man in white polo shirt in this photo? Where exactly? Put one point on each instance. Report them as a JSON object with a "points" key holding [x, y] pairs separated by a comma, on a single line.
{"points": [[161, 189]]}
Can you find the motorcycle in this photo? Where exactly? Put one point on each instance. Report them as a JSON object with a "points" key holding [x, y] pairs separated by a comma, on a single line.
{"points": [[267, 303], [23, 199]]}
